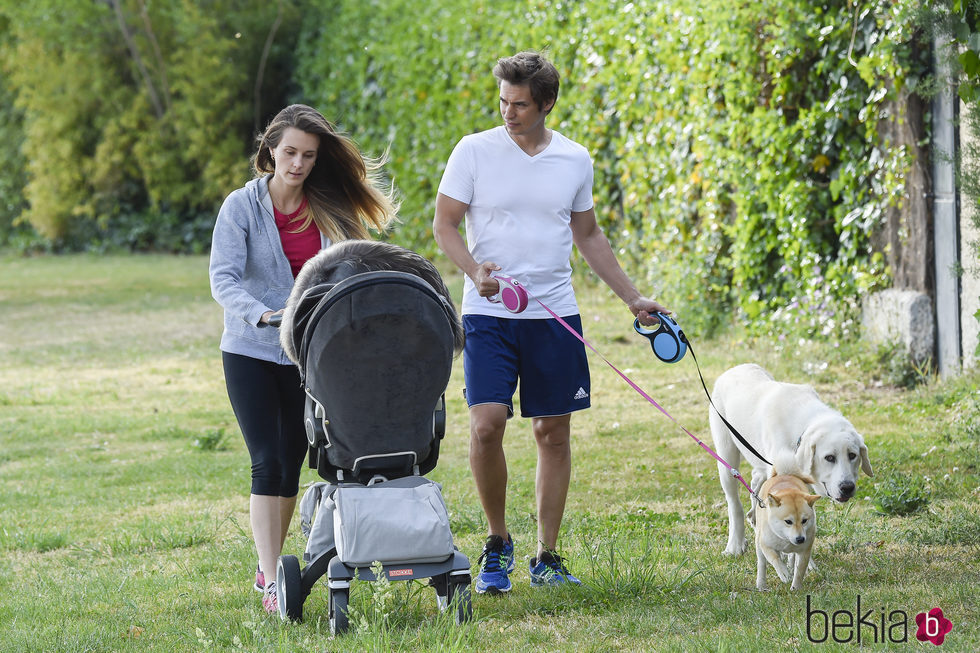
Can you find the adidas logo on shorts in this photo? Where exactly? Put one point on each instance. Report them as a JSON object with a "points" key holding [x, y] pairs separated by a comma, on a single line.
{"points": [[581, 394]]}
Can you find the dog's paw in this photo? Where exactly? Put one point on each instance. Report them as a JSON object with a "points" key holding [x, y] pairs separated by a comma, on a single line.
{"points": [[735, 548], [762, 587]]}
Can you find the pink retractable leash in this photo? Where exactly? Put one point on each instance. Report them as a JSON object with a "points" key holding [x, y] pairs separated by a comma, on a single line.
{"points": [[511, 293], [514, 296]]}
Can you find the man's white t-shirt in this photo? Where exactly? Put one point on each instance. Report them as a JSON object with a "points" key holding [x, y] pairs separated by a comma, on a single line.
{"points": [[519, 213]]}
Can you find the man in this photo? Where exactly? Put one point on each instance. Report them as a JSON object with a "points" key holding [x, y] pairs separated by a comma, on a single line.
{"points": [[526, 193]]}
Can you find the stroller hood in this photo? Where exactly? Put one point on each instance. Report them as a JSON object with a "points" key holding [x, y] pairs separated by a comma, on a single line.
{"points": [[376, 350]]}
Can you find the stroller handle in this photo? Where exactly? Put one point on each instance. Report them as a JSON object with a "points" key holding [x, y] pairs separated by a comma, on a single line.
{"points": [[275, 320]]}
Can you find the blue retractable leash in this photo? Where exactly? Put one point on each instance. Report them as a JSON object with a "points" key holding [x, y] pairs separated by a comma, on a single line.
{"points": [[669, 344], [667, 340]]}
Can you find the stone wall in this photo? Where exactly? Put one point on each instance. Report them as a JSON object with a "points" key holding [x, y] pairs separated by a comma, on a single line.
{"points": [[904, 317]]}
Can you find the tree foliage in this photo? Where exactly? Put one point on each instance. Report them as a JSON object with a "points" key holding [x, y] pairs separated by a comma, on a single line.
{"points": [[138, 116], [12, 172], [740, 163]]}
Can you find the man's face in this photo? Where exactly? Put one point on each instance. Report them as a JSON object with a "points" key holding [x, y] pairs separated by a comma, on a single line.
{"points": [[520, 112]]}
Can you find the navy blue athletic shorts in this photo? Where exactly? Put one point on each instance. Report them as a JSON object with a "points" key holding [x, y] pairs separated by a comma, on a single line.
{"points": [[549, 362]]}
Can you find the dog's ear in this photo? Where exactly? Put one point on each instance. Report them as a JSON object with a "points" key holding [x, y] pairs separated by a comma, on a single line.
{"points": [[865, 463], [773, 501], [811, 498]]}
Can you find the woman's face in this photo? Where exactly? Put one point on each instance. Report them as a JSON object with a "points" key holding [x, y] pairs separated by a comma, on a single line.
{"points": [[295, 156]]}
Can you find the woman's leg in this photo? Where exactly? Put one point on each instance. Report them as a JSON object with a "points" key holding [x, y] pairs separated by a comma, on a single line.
{"points": [[265, 516], [293, 445], [267, 400], [270, 518], [287, 506]]}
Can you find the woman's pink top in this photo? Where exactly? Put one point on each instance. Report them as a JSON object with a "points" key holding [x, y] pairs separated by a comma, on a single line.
{"points": [[299, 247]]}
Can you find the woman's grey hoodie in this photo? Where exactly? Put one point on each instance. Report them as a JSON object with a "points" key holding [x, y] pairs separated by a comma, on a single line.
{"points": [[249, 272]]}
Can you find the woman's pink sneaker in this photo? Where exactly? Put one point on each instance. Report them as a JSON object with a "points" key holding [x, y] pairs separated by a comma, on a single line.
{"points": [[269, 600]]}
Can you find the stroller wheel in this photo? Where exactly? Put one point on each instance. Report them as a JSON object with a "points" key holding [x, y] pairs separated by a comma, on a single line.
{"points": [[289, 582], [461, 602], [441, 585], [338, 610]]}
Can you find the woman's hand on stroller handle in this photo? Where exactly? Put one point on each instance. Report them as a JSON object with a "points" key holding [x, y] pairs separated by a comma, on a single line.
{"points": [[273, 319]]}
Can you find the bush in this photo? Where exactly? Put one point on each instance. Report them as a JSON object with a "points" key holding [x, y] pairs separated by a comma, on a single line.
{"points": [[899, 496]]}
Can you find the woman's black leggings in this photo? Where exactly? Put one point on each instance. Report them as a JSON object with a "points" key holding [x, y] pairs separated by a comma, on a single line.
{"points": [[268, 401]]}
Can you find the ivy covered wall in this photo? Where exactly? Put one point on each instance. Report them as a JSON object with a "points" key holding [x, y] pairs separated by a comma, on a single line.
{"points": [[740, 164]]}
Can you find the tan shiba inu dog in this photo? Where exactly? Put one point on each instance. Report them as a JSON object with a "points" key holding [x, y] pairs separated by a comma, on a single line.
{"points": [[786, 524]]}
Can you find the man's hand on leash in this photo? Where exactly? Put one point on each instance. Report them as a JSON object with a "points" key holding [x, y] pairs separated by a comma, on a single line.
{"points": [[486, 285], [644, 308]]}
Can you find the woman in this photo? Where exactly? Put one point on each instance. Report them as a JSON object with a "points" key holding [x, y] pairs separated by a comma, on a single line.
{"points": [[312, 187]]}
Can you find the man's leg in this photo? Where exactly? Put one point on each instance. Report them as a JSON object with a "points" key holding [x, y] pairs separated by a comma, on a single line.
{"points": [[552, 435], [488, 464], [489, 467]]}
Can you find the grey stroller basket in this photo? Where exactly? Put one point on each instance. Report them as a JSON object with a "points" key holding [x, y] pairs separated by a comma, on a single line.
{"points": [[375, 354]]}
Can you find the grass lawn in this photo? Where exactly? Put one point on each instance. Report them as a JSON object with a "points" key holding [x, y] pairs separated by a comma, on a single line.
{"points": [[124, 493]]}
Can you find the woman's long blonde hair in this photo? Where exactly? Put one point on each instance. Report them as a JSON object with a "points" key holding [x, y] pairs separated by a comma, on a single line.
{"points": [[345, 190]]}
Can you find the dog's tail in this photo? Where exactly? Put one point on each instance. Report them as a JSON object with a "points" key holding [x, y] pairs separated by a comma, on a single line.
{"points": [[784, 462]]}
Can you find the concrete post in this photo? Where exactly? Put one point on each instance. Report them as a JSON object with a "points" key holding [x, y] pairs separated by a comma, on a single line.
{"points": [[969, 245], [946, 234]]}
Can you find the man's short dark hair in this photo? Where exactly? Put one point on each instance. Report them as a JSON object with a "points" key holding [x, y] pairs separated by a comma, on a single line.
{"points": [[534, 70]]}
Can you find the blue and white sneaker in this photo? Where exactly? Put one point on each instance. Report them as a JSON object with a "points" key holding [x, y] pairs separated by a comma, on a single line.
{"points": [[496, 563], [549, 570]]}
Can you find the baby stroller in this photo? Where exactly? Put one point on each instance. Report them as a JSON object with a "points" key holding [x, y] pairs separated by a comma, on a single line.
{"points": [[375, 351]]}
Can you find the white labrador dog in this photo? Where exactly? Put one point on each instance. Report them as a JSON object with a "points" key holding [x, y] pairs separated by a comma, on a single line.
{"points": [[777, 417]]}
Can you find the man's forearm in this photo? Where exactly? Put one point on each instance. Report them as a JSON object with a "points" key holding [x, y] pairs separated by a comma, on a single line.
{"points": [[598, 253]]}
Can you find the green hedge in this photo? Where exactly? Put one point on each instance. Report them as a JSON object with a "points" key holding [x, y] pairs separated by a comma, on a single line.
{"points": [[738, 163]]}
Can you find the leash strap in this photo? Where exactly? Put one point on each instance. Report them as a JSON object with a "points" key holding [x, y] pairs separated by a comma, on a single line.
{"points": [[734, 472], [727, 423]]}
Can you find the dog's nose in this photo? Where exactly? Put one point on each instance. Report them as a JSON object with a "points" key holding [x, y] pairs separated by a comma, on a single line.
{"points": [[800, 539], [847, 489]]}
